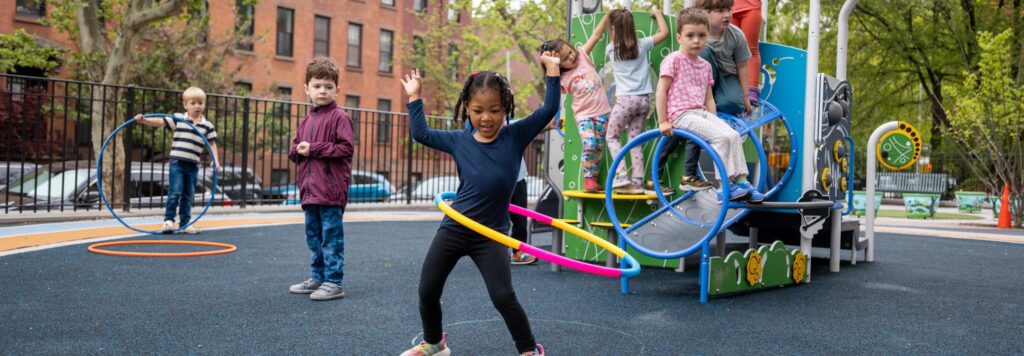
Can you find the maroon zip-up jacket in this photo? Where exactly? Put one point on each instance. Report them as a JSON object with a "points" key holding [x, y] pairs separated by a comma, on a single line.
{"points": [[325, 174]]}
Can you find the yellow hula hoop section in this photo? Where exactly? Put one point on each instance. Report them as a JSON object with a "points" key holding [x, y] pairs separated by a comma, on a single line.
{"points": [[632, 270]]}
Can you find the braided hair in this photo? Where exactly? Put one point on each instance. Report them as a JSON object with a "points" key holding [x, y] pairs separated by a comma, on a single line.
{"points": [[479, 82]]}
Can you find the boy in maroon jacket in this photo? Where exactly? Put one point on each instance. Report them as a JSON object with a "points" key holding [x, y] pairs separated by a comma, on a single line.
{"points": [[322, 149]]}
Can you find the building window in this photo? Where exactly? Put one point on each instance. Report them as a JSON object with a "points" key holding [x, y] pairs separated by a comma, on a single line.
{"points": [[386, 50], [352, 107], [30, 8], [453, 11], [243, 88], [201, 19], [285, 28], [384, 121], [283, 109], [419, 5], [355, 45], [387, 2], [419, 55], [245, 24], [322, 36], [453, 49]]}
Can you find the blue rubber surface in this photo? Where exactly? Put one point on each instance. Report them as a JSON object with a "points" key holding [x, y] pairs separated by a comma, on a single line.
{"points": [[925, 295]]}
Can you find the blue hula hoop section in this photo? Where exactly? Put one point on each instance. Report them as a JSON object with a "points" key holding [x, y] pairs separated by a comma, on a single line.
{"points": [[666, 205], [99, 174]]}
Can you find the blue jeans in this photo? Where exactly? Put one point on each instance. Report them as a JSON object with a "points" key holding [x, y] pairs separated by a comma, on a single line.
{"points": [[181, 191], [325, 237]]}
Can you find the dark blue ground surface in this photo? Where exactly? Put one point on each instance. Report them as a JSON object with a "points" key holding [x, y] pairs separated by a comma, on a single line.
{"points": [[924, 296]]}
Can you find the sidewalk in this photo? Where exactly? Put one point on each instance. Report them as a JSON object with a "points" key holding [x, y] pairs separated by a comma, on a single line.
{"points": [[56, 216]]}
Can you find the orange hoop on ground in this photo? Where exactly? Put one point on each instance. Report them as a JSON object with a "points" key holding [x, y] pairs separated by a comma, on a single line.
{"points": [[227, 248]]}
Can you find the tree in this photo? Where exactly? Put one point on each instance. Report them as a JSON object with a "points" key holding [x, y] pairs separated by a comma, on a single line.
{"points": [[448, 50], [987, 119], [19, 49], [109, 36]]}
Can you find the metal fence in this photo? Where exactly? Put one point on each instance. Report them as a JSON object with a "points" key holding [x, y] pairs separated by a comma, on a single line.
{"points": [[47, 150]]}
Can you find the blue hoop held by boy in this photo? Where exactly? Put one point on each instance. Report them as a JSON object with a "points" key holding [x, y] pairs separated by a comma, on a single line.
{"points": [[99, 173]]}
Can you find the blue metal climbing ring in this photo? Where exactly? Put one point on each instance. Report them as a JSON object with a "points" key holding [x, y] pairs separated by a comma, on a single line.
{"points": [[99, 174], [665, 204]]}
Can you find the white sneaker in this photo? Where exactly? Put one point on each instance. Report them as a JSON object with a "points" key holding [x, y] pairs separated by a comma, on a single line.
{"points": [[621, 181], [191, 230], [168, 226]]}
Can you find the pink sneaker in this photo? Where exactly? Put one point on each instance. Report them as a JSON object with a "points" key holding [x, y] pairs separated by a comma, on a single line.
{"points": [[590, 185], [538, 352]]}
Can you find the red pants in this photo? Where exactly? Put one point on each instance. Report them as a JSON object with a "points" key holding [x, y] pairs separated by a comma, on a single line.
{"points": [[750, 22]]}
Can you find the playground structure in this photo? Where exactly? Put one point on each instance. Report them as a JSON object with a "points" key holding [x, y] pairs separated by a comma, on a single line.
{"points": [[813, 186]]}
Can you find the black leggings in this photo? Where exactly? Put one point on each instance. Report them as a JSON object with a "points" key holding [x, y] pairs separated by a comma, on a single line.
{"points": [[519, 221], [491, 258]]}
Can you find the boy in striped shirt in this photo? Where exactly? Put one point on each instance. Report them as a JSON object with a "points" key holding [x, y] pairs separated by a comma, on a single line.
{"points": [[185, 156]]}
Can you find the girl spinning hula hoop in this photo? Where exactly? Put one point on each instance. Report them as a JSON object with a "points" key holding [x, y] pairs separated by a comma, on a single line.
{"points": [[504, 239]]}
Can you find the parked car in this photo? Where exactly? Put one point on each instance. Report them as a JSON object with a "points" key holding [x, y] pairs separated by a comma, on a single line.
{"points": [[427, 189], [230, 181], [12, 172], [76, 186], [365, 187]]}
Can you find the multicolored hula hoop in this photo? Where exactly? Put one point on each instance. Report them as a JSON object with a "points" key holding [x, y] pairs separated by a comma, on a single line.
{"points": [[634, 266]]}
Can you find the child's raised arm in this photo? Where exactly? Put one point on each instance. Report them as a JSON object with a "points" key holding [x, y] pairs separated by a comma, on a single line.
{"points": [[437, 139], [662, 27], [596, 36]]}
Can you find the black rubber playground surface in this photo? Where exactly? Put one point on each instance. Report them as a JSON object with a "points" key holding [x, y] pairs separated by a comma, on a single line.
{"points": [[924, 295]]}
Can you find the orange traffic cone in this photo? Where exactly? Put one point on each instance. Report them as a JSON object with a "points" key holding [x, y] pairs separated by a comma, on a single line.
{"points": [[1004, 208]]}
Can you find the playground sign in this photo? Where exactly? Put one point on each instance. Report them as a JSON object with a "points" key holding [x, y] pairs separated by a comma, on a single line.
{"points": [[899, 149]]}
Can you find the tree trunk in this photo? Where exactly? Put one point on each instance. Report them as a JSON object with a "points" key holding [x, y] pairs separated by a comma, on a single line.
{"points": [[112, 172]]}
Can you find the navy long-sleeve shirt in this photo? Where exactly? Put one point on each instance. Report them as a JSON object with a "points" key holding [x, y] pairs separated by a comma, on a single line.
{"points": [[487, 171]]}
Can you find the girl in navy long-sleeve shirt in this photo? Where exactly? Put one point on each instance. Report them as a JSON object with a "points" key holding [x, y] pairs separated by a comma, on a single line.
{"points": [[488, 160]]}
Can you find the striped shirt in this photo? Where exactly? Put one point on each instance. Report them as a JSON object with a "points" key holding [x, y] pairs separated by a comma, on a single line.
{"points": [[188, 146]]}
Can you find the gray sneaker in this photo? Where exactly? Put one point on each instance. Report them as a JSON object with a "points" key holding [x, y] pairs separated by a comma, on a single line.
{"points": [[309, 286], [328, 291]]}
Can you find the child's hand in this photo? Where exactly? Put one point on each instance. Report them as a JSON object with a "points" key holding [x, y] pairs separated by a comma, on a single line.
{"points": [[412, 85], [138, 118], [657, 12], [302, 148], [550, 59], [747, 108], [666, 128]]}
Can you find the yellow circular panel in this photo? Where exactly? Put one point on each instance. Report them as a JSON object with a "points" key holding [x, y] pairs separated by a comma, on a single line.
{"points": [[799, 267], [754, 268]]}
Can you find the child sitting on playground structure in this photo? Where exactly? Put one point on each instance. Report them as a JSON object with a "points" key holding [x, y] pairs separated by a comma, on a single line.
{"points": [[685, 101], [728, 54], [184, 161], [589, 101], [487, 159], [322, 149], [628, 57]]}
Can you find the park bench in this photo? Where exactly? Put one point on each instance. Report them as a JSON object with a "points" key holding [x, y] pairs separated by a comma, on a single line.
{"points": [[921, 191]]}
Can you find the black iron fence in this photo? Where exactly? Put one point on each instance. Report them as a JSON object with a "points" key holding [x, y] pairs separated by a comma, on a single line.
{"points": [[48, 149]]}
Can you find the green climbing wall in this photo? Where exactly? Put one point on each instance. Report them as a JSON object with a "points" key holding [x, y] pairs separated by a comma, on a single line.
{"points": [[630, 211]]}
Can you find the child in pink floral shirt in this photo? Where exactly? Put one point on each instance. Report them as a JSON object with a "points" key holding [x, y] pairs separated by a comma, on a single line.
{"points": [[685, 101], [589, 102]]}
